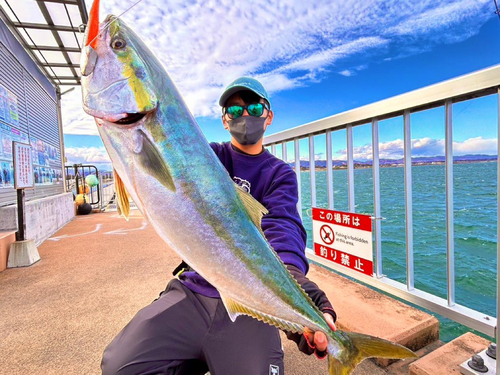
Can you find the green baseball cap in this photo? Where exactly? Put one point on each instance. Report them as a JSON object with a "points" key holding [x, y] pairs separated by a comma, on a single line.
{"points": [[244, 83]]}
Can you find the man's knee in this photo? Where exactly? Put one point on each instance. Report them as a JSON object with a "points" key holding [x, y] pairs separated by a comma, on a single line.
{"points": [[113, 363]]}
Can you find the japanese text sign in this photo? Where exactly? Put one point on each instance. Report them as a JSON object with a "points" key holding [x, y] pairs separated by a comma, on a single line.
{"points": [[23, 165], [344, 238]]}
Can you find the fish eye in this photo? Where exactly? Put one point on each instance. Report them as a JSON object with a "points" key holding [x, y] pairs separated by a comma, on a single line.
{"points": [[118, 43]]}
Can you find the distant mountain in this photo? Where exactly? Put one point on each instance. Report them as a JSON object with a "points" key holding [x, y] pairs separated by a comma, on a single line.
{"points": [[304, 164]]}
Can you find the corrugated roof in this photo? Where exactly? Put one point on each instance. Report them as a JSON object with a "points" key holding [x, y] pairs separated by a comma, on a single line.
{"points": [[52, 33]]}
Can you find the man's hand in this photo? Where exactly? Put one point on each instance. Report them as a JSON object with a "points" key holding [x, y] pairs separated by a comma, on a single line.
{"points": [[318, 339], [313, 342]]}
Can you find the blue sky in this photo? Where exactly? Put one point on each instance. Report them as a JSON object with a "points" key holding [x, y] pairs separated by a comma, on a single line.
{"points": [[316, 60]]}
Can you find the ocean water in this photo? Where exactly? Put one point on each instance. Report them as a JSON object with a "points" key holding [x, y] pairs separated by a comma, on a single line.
{"points": [[475, 223]]}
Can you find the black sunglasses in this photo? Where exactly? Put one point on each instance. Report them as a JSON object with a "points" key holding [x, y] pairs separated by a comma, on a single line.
{"points": [[235, 111]]}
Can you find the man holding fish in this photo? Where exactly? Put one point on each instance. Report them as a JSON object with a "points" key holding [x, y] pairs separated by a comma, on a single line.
{"points": [[162, 161], [187, 328]]}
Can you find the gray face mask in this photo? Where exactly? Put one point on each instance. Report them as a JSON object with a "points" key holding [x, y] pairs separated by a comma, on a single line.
{"points": [[247, 130]]}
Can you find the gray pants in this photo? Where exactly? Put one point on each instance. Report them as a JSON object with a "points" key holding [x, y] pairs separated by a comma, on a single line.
{"points": [[185, 333]]}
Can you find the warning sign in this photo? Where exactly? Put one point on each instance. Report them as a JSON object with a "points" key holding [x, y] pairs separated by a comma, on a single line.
{"points": [[23, 166], [344, 238]]}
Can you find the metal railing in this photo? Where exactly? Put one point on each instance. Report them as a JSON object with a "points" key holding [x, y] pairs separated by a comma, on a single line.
{"points": [[100, 196], [107, 189], [75, 182], [475, 85]]}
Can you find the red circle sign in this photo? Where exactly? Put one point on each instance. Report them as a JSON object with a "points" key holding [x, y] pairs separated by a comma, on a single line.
{"points": [[327, 235]]}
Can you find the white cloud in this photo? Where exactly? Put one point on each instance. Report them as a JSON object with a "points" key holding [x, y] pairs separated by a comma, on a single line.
{"points": [[75, 120], [324, 57], [427, 147], [477, 145], [423, 147], [96, 156], [286, 43], [346, 73], [442, 17], [87, 155]]}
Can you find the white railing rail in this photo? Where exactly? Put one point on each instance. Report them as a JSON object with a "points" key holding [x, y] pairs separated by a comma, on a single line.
{"points": [[478, 84]]}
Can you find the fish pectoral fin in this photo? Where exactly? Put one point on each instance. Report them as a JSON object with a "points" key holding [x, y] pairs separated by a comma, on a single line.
{"points": [[153, 163], [235, 309], [255, 209], [122, 197]]}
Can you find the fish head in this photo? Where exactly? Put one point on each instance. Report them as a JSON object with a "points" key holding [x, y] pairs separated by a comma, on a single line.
{"points": [[117, 84]]}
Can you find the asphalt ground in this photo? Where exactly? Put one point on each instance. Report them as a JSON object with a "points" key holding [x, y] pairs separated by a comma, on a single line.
{"points": [[58, 315]]}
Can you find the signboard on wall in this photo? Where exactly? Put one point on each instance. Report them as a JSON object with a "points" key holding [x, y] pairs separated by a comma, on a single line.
{"points": [[28, 107], [8, 107], [344, 238], [7, 136], [43, 157], [23, 166]]}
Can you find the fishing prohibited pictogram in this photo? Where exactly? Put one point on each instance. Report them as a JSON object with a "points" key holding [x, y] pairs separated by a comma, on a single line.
{"points": [[327, 234]]}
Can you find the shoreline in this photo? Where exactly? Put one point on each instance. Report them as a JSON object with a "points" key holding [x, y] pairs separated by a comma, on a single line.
{"points": [[394, 165]]}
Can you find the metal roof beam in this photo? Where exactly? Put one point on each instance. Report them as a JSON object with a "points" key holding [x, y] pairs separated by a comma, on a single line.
{"points": [[61, 65], [23, 42], [56, 49], [83, 11], [41, 26], [69, 2], [30, 47], [48, 18], [66, 77]]}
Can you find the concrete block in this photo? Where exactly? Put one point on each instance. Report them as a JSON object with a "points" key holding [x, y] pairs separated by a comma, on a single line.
{"points": [[44, 216], [447, 359], [22, 254], [6, 239], [364, 310]]}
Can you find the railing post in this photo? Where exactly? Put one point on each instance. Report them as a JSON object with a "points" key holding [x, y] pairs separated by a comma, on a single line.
{"points": [[329, 166], [283, 152], [497, 333], [99, 195], [297, 172], [273, 149], [450, 237], [408, 202], [376, 198], [312, 171], [77, 187], [350, 168], [101, 192]]}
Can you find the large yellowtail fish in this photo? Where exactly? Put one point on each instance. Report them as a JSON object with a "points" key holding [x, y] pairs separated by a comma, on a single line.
{"points": [[164, 162]]}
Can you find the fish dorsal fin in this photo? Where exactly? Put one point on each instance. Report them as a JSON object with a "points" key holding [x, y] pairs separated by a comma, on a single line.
{"points": [[122, 198], [255, 209], [235, 309]]}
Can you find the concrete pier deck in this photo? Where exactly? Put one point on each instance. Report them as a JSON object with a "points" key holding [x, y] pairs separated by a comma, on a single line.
{"points": [[58, 315]]}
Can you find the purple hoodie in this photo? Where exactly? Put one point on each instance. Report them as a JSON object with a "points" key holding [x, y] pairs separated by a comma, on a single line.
{"points": [[273, 183]]}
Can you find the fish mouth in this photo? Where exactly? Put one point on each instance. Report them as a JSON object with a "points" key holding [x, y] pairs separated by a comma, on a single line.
{"points": [[124, 119], [130, 118]]}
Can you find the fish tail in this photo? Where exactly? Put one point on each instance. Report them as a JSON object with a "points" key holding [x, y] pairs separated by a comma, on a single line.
{"points": [[362, 346]]}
